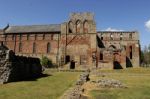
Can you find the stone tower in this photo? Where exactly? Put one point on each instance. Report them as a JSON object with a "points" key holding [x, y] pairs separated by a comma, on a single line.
{"points": [[78, 40]]}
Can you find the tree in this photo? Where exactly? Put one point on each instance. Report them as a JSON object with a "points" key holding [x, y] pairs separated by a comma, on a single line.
{"points": [[142, 57], [145, 55], [46, 62]]}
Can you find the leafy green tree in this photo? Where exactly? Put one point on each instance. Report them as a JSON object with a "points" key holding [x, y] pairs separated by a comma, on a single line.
{"points": [[46, 62], [145, 56]]}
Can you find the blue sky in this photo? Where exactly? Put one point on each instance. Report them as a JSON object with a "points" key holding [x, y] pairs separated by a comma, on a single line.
{"points": [[109, 14]]}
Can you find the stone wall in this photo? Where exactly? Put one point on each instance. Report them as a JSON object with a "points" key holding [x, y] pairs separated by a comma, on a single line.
{"points": [[78, 40], [23, 44], [16, 68], [123, 45]]}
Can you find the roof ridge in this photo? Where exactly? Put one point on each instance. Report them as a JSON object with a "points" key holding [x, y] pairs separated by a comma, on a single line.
{"points": [[34, 28], [33, 25], [117, 31]]}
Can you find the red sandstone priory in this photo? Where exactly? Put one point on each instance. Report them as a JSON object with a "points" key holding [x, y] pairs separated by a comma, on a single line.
{"points": [[75, 42]]}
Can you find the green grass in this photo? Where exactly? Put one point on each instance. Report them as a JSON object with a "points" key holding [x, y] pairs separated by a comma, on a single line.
{"points": [[137, 80], [50, 87]]}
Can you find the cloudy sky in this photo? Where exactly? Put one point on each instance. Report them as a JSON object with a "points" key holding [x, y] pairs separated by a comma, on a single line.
{"points": [[109, 14]]}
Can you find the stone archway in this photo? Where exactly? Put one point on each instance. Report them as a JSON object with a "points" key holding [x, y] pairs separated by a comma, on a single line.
{"points": [[112, 48], [117, 61], [67, 60]]}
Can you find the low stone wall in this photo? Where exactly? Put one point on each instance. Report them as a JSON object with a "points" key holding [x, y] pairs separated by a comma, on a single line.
{"points": [[77, 91], [16, 68], [109, 83]]}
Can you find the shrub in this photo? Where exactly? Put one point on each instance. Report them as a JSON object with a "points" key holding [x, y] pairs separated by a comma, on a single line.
{"points": [[46, 62]]}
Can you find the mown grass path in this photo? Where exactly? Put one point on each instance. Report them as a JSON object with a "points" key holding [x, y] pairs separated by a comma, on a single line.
{"points": [[50, 87]]}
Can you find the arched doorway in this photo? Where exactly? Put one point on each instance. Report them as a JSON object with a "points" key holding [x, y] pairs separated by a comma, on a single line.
{"points": [[67, 60], [117, 61], [112, 48]]}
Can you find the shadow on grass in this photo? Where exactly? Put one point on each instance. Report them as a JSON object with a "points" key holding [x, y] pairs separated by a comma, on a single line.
{"points": [[36, 78], [33, 78]]}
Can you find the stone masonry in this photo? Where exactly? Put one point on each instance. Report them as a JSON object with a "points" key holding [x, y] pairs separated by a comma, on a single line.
{"points": [[75, 44], [16, 68]]}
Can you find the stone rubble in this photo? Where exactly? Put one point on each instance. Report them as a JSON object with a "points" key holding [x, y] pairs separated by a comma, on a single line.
{"points": [[76, 92], [83, 78], [109, 83]]}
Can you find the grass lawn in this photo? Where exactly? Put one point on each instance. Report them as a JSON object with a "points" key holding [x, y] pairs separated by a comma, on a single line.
{"points": [[137, 80], [50, 87]]}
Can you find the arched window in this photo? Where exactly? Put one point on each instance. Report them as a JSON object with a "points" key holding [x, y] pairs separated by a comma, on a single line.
{"points": [[34, 48], [20, 47], [70, 27], [101, 36], [85, 27], [48, 47], [111, 36], [52, 36], [130, 36], [112, 48], [121, 36], [78, 26]]}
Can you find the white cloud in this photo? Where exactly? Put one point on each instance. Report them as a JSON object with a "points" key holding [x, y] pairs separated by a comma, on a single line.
{"points": [[147, 24], [112, 29]]}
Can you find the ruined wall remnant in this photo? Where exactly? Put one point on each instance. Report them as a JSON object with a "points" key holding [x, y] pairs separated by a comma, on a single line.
{"points": [[15, 68], [75, 44], [118, 49], [78, 41]]}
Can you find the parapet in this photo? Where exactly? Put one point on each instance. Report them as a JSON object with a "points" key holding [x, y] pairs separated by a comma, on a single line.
{"points": [[82, 16]]}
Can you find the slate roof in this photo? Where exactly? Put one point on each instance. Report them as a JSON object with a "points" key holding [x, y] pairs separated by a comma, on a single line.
{"points": [[33, 28]]}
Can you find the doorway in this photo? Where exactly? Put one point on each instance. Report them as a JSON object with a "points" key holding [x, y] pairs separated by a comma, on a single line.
{"points": [[67, 59], [72, 64], [117, 60], [117, 65]]}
